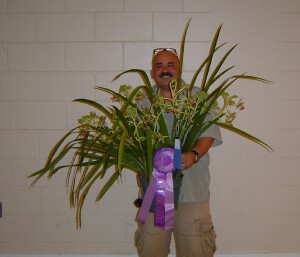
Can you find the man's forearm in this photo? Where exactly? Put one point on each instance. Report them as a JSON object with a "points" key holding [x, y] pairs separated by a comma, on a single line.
{"points": [[203, 144], [201, 147]]}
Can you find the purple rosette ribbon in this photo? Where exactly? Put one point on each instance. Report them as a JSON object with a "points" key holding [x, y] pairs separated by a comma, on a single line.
{"points": [[160, 186]]}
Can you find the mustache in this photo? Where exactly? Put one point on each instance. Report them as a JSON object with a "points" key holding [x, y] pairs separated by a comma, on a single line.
{"points": [[165, 74]]}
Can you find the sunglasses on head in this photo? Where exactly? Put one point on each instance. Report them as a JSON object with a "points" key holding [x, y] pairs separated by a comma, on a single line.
{"points": [[157, 50]]}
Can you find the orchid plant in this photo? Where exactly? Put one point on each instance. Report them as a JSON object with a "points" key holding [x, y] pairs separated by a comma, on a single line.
{"points": [[124, 135]]}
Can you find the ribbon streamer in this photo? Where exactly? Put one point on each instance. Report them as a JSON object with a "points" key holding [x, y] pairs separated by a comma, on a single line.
{"points": [[160, 186]]}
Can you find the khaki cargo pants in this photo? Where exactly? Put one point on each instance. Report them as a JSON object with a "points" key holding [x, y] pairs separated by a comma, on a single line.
{"points": [[193, 231]]}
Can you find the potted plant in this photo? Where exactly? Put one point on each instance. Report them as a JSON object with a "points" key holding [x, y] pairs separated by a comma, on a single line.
{"points": [[125, 135]]}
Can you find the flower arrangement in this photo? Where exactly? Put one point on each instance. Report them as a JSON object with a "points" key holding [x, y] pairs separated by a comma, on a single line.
{"points": [[124, 135]]}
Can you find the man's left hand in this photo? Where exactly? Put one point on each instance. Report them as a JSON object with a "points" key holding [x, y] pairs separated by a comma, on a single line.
{"points": [[187, 160]]}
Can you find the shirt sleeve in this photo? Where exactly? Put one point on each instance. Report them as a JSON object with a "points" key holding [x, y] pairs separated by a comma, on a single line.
{"points": [[214, 132]]}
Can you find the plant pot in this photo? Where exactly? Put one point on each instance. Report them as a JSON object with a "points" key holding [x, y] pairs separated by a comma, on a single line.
{"points": [[177, 182]]}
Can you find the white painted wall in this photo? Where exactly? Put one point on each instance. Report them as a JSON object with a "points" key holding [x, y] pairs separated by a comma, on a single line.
{"points": [[53, 51]]}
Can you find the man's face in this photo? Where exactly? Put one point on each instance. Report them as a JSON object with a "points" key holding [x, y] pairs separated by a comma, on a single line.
{"points": [[165, 67]]}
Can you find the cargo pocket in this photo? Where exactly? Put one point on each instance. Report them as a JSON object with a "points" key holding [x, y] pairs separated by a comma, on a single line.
{"points": [[152, 241], [208, 237], [138, 238]]}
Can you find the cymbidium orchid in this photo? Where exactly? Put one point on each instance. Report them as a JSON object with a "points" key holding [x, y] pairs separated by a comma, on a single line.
{"points": [[123, 136]]}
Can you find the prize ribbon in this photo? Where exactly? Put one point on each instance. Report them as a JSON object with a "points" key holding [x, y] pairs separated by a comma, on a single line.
{"points": [[160, 186]]}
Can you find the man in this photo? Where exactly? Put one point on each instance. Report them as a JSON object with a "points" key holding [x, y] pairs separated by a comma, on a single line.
{"points": [[193, 229]]}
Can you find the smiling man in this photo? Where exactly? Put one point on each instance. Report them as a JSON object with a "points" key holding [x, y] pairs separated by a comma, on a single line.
{"points": [[165, 67], [193, 228]]}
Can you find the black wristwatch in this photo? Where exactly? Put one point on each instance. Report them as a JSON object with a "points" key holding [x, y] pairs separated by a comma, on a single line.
{"points": [[197, 156]]}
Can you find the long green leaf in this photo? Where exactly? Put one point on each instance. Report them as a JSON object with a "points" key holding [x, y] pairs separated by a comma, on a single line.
{"points": [[245, 135], [52, 164], [58, 145], [244, 76], [182, 45], [108, 185], [208, 58], [122, 119], [217, 68], [95, 105], [121, 150], [211, 53], [82, 199], [142, 74], [149, 144]]}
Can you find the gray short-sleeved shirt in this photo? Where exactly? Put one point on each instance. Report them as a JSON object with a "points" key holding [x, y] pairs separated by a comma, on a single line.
{"points": [[196, 180]]}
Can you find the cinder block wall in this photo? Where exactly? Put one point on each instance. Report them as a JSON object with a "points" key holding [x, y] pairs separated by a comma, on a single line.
{"points": [[54, 51]]}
